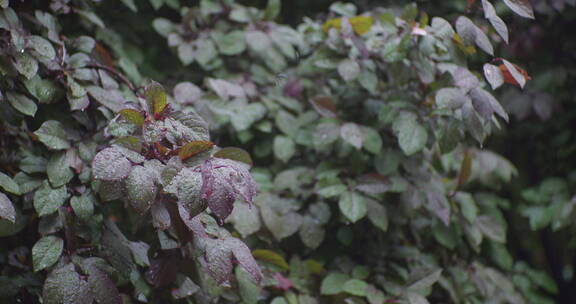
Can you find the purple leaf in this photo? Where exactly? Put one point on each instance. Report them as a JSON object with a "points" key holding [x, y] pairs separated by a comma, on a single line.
{"points": [[193, 223], [103, 288], [224, 181], [220, 254]]}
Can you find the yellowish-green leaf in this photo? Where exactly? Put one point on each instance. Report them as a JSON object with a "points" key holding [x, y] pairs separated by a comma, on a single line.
{"points": [[156, 98], [194, 147], [270, 257], [133, 116], [360, 24]]}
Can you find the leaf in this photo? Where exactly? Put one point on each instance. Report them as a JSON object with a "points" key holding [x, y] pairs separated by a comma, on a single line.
{"points": [[46, 252], [22, 103], [64, 285], [156, 98], [377, 214], [324, 106], [491, 228], [52, 134], [219, 255], [349, 69], [426, 280], [187, 93], [8, 184], [47, 200], [371, 140], [272, 9], [284, 148], [186, 186], [311, 232], [58, 169], [26, 65], [130, 4], [236, 154], [249, 290], [353, 206], [224, 181], [7, 210], [110, 164], [245, 218], [83, 205], [351, 133], [278, 215], [232, 43], [451, 98], [186, 288], [355, 287], [333, 283], [493, 75], [497, 22], [486, 104], [360, 24], [465, 169], [412, 137], [464, 79], [438, 205], [103, 288], [513, 74], [133, 116], [521, 7], [141, 188], [41, 46], [270, 257], [193, 148]]}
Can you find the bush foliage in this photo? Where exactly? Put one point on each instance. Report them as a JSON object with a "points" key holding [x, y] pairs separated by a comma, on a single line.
{"points": [[341, 160]]}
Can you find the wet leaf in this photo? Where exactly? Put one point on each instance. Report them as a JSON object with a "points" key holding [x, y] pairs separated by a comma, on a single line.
{"points": [[103, 288], [351, 133], [58, 169], [52, 134], [513, 74], [7, 210], [64, 285], [193, 148], [47, 199], [141, 188], [110, 164], [133, 116], [8, 184], [412, 137], [493, 75], [156, 98], [324, 106], [284, 148], [353, 205], [333, 283], [22, 103], [46, 252], [355, 287]]}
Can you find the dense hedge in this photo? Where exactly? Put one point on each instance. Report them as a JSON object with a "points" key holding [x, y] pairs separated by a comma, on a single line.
{"points": [[364, 133]]}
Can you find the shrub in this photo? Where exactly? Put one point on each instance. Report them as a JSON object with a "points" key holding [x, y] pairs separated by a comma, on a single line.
{"points": [[363, 127]]}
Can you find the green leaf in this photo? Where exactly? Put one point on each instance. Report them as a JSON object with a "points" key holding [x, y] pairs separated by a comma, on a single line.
{"points": [[272, 9], [64, 285], [8, 184], [141, 188], [133, 116], [353, 205], [349, 69], [377, 214], [47, 199], [7, 210], [271, 257], [110, 164], [58, 169], [426, 280], [355, 287], [26, 65], [156, 98], [52, 134], [41, 46], [130, 4], [284, 148], [236, 154], [22, 103], [249, 290], [311, 232], [371, 140], [351, 133], [521, 7], [232, 43], [83, 205], [46, 252], [492, 228], [411, 135], [333, 283]]}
